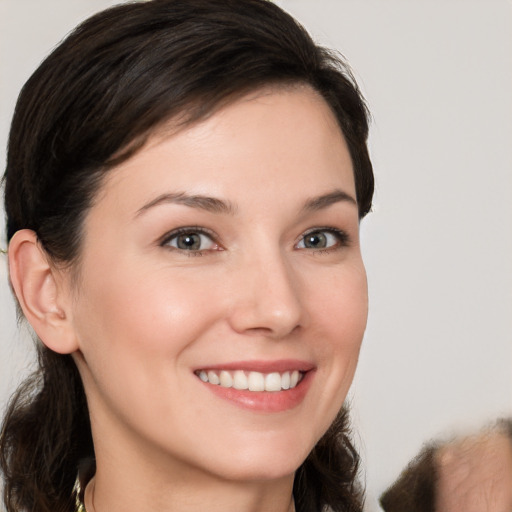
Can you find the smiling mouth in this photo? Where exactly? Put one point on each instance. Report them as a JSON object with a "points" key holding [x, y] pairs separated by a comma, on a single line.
{"points": [[252, 381]]}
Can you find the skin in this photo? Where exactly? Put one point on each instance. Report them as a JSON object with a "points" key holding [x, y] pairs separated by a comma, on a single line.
{"points": [[475, 474], [145, 314]]}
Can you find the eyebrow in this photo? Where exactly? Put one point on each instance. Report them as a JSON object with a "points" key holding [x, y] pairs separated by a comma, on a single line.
{"points": [[209, 204], [326, 200], [215, 205]]}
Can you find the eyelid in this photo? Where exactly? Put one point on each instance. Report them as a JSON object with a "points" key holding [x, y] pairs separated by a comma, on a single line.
{"points": [[200, 230], [342, 236]]}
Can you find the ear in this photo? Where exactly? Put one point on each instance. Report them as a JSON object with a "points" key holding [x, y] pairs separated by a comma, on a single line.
{"points": [[39, 288]]}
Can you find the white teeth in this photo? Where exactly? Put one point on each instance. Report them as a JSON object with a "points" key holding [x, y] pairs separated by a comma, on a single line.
{"points": [[213, 378], [226, 381], [240, 380], [256, 381], [285, 380], [273, 382], [253, 381]]}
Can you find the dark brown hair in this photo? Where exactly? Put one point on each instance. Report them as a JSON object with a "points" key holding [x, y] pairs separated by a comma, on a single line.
{"points": [[414, 489], [92, 104]]}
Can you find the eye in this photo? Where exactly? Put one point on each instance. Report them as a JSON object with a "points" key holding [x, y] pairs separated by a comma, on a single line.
{"points": [[323, 239], [193, 240]]}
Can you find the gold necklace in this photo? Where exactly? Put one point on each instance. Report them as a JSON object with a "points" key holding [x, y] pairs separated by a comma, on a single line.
{"points": [[77, 490]]}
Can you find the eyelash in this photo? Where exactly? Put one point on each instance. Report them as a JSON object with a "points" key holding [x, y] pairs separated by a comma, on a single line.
{"points": [[196, 230], [343, 239]]}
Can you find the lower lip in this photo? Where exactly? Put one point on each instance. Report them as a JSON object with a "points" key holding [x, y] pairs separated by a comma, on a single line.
{"points": [[264, 401]]}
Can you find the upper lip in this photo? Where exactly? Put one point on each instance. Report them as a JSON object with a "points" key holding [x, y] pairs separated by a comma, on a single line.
{"points": [[280, 365]]}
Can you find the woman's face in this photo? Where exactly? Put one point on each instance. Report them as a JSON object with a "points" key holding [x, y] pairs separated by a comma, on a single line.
{"points": [[227, 251]]}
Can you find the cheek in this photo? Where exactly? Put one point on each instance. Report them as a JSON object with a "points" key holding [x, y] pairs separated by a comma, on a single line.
{"points": [[341, 314], [341, 307], [134, 330], [145, 311]]}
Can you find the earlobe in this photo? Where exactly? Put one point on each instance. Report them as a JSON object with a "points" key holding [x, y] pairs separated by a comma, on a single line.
{"points": [[35, 284]]}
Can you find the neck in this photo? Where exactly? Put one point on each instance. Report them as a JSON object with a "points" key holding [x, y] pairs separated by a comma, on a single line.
{"points": [[101, 496]]}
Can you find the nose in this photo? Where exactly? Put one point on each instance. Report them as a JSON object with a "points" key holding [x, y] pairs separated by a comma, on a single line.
{"points": [[266, 298]]}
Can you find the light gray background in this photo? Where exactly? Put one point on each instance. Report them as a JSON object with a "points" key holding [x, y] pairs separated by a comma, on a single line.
{"points": [[437, 74]]}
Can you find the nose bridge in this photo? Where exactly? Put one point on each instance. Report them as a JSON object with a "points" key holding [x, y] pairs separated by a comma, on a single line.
{"points": [[268, 294]]}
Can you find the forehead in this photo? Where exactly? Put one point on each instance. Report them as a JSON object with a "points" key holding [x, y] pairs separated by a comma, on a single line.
{"points": [[271, 138]]}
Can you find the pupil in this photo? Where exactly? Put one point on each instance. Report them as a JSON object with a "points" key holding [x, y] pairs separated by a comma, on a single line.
{"points": [[315, 240], [189, 241]]}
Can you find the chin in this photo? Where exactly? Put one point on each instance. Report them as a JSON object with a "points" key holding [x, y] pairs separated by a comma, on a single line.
{"points": [[253, 471], [258, 462]]}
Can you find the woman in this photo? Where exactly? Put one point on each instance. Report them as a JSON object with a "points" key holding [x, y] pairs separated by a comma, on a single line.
{"points": [[183, 191]]}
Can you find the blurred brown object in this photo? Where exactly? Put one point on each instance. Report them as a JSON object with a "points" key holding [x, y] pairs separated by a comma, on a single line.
{"points": [[414, 490], [475, 474], [469, 474]]}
